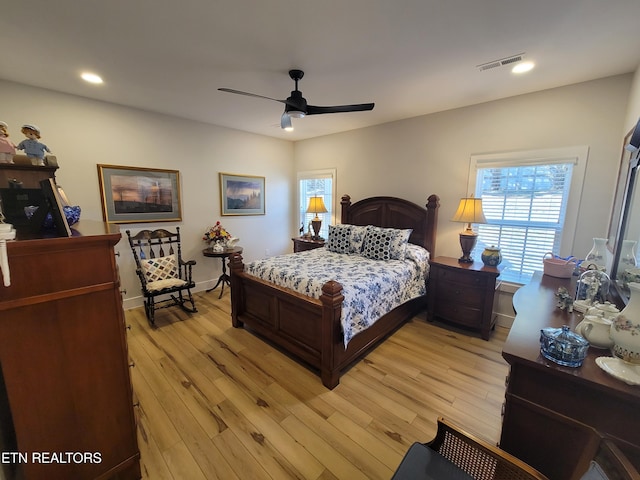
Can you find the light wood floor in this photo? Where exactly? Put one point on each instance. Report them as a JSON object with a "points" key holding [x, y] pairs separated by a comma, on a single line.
{"points": [[216, 402]]}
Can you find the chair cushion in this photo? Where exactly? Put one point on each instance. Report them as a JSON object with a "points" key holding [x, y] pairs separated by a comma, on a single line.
{"points": [[166, 283], [422, 463], [161, 268], [594, 473]]}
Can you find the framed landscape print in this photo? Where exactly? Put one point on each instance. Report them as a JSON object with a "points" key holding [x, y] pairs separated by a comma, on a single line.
{"points": [[241, 194], [139, 195]]}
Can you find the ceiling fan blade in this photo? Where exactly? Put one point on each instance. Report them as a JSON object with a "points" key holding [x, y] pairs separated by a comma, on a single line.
{"points": [[361, 107], [238, 92]]}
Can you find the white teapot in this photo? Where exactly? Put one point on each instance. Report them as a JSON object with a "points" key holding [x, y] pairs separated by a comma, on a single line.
{"points": [[606, 310], [596, 330]]}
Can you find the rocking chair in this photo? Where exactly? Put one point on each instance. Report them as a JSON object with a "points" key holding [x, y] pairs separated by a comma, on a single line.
{"points": [[162, 271]]}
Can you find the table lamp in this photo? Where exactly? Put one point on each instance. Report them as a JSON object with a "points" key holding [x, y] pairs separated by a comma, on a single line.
{"points": [[469, 211], [316, 206]]}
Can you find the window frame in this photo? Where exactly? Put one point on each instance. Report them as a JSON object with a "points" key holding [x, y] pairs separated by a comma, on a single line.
{"points": [[578, 155], [327, 218]]}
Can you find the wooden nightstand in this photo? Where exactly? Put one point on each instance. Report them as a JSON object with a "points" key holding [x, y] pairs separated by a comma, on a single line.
{"points": [[463, 293], [300, 244]]}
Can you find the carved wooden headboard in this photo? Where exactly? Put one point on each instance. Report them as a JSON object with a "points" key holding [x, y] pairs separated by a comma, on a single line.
{"points": [[392, 212]]}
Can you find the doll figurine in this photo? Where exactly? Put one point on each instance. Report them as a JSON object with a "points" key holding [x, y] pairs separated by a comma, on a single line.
{"points": [[31, 146], [7, 148]]}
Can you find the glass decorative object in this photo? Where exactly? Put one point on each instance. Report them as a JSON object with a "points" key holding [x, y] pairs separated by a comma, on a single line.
{"points": [[597, 255], [593, 286], [562, 346]]}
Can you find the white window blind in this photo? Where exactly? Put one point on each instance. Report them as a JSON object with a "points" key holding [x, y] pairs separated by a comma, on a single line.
{"points": [[525, 206], [320, 183]]}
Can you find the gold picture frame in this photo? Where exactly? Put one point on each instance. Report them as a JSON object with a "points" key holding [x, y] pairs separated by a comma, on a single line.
{"points": [[139, 195]]}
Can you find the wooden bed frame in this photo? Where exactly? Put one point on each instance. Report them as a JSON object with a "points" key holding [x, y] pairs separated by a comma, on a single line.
{"points": [[310, 329]]}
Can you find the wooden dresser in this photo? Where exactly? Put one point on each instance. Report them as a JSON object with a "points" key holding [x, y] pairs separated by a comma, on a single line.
{"points": [[28, 176], [545, 400], [65, 385]]}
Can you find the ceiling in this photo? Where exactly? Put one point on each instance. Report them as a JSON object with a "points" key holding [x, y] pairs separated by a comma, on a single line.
{"points": [[410, 57]]}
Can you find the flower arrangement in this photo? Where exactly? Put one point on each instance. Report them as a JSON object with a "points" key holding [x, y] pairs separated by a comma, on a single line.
{"points": [[215, 234]]}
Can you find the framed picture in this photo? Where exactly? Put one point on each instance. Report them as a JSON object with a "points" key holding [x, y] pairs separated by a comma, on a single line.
{"points": [[241, 194], [139, 195], [618, 199]]}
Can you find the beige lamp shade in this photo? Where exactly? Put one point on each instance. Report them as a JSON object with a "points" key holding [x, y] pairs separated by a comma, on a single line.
{"points": [[469, 211], [316, 205]]}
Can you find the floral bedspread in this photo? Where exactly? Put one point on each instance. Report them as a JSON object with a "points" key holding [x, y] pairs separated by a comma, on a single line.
{"points": [[371, 288]]}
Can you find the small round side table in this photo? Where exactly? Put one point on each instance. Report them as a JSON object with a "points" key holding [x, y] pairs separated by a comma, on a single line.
{"points": [[224, 278]]}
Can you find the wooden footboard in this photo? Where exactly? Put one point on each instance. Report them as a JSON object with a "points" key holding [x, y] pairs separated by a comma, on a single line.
{"points": [[308, 328]]}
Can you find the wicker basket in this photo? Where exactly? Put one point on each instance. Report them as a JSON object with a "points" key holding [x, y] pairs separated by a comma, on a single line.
{"points": [[558, 267]]}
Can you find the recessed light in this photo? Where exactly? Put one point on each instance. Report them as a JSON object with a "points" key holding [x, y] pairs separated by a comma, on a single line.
{"points": [[91, 78], [523, 67]]}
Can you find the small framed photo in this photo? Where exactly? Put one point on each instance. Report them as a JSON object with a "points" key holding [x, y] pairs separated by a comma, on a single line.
{"points": [[139, 195], [242, 194]]}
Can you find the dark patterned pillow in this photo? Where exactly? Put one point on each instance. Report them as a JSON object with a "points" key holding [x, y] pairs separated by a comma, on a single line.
{"points": [[385, 243], [339, 240]]}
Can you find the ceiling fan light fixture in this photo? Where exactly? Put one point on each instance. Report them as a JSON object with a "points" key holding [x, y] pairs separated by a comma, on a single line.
{"points": [[285, 122], [296, 114]]}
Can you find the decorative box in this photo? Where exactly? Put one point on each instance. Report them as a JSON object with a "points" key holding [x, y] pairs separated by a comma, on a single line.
{"points": [[562, 346]]}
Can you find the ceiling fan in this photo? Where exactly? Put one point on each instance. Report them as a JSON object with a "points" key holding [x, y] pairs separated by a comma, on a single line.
{"points": [[296, 105]]}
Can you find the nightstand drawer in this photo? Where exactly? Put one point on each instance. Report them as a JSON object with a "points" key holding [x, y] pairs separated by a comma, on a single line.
{"points": [[461, 314], [462, 277], [457, 292]]}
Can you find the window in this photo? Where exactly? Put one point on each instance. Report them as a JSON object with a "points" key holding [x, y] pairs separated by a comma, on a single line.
{"points": [[317, 183], [530, 201]]}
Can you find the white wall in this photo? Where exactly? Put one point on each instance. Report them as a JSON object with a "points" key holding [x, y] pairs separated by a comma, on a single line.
{"points": [[83, 133], [633, 109], [430, 154], [410, 158]]}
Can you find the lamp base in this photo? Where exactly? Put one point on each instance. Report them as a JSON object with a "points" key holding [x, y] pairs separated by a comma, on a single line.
{"points": [[467, 242], [316, 224]]}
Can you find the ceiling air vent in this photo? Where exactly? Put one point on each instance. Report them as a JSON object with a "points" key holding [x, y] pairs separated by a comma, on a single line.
{"points": [[502, 62]]}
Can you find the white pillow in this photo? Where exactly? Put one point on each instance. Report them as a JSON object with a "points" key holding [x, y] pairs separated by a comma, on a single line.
{"points": [[358, 234]]}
